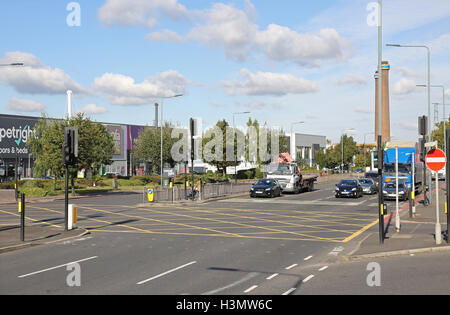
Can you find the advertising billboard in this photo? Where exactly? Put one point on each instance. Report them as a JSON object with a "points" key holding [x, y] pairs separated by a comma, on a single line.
{"points": [[14, 134]]}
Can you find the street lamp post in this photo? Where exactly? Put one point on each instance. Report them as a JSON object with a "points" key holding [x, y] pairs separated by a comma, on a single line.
{"points": [[342, 146], [162, 125], [364, 146], [293, 147], [443, 102], [429, 96], [235, 153]]}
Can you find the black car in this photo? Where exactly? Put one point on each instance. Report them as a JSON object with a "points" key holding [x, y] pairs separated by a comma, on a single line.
{"points": [[266, 188], [349, 188], [368, 185]]}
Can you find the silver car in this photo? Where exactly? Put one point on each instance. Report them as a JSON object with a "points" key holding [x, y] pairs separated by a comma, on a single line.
{"points": [[368, 185]]}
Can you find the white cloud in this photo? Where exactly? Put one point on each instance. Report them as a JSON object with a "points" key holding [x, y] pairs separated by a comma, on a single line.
{"points": [[21, 105], [144, 13], [268, 83], [258, 105], [281, 43], [227, 27], [404, 86], [165, 35], [92, 109], [35, 77], [123, 90], [351, 79], [223, 26]]}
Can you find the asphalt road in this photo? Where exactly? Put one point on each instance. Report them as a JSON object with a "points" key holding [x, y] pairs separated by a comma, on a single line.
{"points": [[232, 247]]}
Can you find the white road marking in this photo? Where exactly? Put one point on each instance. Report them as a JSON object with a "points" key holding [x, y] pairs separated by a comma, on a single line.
{"points": [[251, 289], [323, 268], [291, 266], [166, 273], [289, 291], [294, 202], [272, 276], [56, 267], [308, 278], [246, 278], [308, 258]]}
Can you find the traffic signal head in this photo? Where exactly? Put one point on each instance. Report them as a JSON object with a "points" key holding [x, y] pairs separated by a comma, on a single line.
{"points": [[378, 157], [422, 150], [423, 125], [70, 148]]}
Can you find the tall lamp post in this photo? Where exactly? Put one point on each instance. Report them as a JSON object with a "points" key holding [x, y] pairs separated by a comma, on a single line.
{"points": [[429, 97], [235, 153], [162, 126], [443, 102], [293, 147], [342, 145]]}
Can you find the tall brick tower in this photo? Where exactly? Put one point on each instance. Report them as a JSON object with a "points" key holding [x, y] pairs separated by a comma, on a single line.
{"points": [[385, 111]]}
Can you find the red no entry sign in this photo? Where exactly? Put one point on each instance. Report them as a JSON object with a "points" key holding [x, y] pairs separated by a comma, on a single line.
{"points": [[436, 160]]}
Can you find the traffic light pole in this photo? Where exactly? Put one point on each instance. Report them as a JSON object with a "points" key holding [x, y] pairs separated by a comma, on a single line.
{"points": [[381, 208], [447, 177], [66, 201]]}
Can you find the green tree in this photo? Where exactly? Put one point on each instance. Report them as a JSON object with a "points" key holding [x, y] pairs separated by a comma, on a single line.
{"points": [[214, 143], [95, 145], [438, 133], [148, 146]]}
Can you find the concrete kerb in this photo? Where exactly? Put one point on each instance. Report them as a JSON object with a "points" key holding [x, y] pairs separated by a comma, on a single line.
{"points": [[5, 249], [396, 253]]}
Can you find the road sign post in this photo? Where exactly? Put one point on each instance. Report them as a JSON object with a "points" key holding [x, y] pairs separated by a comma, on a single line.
{"points": [[436, 161], [447, 177]]}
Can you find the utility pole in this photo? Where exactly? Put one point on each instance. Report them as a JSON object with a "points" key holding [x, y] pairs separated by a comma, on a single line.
{"points": [[380, 142]]}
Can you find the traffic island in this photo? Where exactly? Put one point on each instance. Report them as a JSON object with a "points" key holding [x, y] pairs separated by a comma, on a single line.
{"points": [[35, 236], [417, 235]]}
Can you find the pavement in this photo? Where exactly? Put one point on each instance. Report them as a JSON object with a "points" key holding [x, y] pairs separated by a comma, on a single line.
{"points": [[416, 235]]}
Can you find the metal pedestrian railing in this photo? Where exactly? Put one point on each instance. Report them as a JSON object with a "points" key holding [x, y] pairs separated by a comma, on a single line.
{"points": [[202, 192]]}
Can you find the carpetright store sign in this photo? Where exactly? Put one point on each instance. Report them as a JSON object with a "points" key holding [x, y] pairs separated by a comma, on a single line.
{"points": [[14, 134]]}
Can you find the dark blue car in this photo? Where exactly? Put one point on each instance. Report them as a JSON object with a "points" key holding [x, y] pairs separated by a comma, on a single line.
{"points": [[349, 188]]}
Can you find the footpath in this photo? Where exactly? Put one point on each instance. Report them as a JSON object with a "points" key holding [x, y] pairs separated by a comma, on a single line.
{"points": [[416, 235]]}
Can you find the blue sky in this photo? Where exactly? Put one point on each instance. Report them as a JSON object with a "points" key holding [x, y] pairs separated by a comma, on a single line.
{"points": [[285, 61]]}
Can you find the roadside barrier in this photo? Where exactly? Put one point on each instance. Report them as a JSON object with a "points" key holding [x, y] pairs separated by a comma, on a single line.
{"points": [[205, 192]]}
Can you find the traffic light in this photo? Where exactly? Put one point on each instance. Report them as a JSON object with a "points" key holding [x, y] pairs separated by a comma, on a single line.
{"points": [[70, 148], [422, 152], [378, 157], [423, 125]]}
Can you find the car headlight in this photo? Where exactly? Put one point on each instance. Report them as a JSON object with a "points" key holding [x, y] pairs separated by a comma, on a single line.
{"points": [[252, 189], [354, 189], [268, 189], [385, 192], [401, 192]]}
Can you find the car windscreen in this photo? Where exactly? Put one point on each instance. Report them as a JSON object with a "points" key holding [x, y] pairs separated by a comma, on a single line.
{"points": [[366, 181], [403, 169], [264, 182], [392, 185], [348, 182]]}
